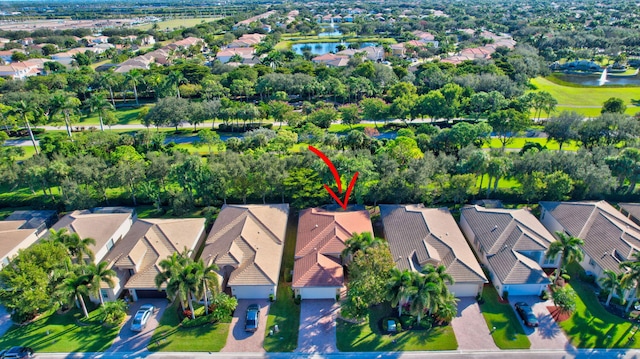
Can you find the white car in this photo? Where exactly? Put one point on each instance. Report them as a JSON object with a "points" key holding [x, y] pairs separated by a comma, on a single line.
{"points": [[141, 317]]}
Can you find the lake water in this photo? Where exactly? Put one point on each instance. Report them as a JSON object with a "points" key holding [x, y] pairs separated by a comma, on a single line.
{"points": [[594, 80], [321, 48]]}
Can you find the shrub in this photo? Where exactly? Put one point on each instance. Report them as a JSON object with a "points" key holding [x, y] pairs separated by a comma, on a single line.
{"points": [[566, 277], [271, 297], [114, 312], [190, 323], [544, 295], [407, 321], [426, 322], [505, 295], [298, 299]]}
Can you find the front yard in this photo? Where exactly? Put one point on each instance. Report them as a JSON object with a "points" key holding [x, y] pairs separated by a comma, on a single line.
{"points": [[508, 333], [368, 336], [171, 337], [68, 332]]}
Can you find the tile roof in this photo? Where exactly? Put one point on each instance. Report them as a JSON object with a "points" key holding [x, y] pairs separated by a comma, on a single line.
{"points": [[249, 238], [320, 240], [12, 236], [418, 236], [609, 237], [148, 242], [506, 236], [99, 226], [633, 209]]}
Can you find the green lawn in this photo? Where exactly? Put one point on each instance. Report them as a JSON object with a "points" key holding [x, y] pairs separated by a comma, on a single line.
{"points": [[509, 333], [284, 312], [171, 337], [126, 116], [367, 336], [62, 333], [519, 142], [591, 325], [175, 23], [577, 98]]}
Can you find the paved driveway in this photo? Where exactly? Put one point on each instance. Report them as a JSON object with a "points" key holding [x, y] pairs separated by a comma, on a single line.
{"points": [[470, 328], [548, 335], [317, 333], [130, 341], [240, 341]]}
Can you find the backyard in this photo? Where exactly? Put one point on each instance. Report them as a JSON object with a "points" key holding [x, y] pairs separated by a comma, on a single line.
{"points": [[368, 336], [508, 333]]}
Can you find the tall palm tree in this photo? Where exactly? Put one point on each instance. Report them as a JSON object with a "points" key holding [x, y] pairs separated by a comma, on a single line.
{"points": [[426, 297], [447, 309], [67, 104], [631, 277], [208, 281], [180, 275], [73, 288], [77, 247], [107, 81], [569, 246], [97, 103], [96, 274], [400, 288], [23, 110], [175, 79], [134, 78], [438, 275], [611, 282]]}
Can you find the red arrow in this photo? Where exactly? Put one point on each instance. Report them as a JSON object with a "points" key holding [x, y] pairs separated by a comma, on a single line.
{"points": [[336, 177]]}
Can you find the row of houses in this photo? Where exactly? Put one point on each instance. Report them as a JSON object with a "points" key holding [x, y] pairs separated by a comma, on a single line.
{"points": [[247, 242], [161, 56]]}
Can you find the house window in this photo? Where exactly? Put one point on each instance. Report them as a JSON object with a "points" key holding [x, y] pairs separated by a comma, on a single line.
{"points": [[132, 272], [591, 262], [104, 293], [110, 244], [549, 260]]}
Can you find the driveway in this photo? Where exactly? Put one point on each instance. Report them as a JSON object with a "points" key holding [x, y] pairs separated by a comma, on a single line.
{"points": [[130, 341], [317, 333], [470, 328], [240, 341], [548, 335]]}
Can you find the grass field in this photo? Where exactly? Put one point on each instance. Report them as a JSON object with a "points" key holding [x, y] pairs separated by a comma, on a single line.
{"points": [[367, 336], [587, 100], [175, 23], [508, 333], [126, 116], [68, 332]]}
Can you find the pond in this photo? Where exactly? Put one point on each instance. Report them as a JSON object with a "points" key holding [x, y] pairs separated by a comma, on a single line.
{"points": [[596, 79], [321, 48]]}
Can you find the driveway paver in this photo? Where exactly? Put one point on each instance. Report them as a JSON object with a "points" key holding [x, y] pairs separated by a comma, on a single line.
{"points": [[239, 341], [548, 335], [470, 328], [317, 333], [130, 341]]}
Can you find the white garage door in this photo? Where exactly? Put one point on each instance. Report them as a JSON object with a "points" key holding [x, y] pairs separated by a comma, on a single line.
{"points": [[525, 289], [318, 293], [252, 292], [464, 290]]}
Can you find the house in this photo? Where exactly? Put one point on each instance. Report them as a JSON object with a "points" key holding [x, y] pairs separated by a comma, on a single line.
{"points": [[6, 55], [23, 69], [246, 53], [331, 60], [246, 243], [247, 22], [398, 49], [186, 43], [147, 40], [317, 270], [136, 257], [20, 230], [609, 236], [247, 40], [373, 53], [631, 210], [105, 225], [27, 41], [511, 243], [419, 236]]}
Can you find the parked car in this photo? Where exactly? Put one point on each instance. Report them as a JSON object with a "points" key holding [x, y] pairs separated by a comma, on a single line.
{"points": [[253, 315], [525, 312], [18, 353], [141, 317]]}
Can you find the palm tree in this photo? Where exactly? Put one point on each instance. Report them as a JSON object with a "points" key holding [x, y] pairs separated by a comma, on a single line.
{"points": [[134, 78], [97, 103], [208, 280], [447, 309], [73, 288], [76, 246], [358, 242], [175, 79], [400, 288], [631, 277], [22, 109], [96, 274], [611, 282], [426, 297], [67, 104], [180, 275], [438, 275], [569, 246], [107, 81]]}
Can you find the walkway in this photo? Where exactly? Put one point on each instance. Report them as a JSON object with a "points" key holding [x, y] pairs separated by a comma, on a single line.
{"points": [[317, 333], [470, 328]]}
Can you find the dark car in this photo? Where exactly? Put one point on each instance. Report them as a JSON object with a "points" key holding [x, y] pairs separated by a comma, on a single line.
{"points": [[18, 353], [525, 312], [253, 315]]}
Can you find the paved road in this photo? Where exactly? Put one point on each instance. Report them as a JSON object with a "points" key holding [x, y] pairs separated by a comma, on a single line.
{"points": [[470, 328], [317, 333], [130, 341], [240, 341]]}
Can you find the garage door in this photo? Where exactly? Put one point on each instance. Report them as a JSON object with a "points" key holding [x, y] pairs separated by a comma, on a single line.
{"points": [[318, 293], [150, 293], [525, 289], [464, 290], [252, 292]]}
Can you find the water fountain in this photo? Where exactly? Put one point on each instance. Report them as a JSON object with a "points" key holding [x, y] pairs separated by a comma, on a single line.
{"points": [[603, 77]]}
